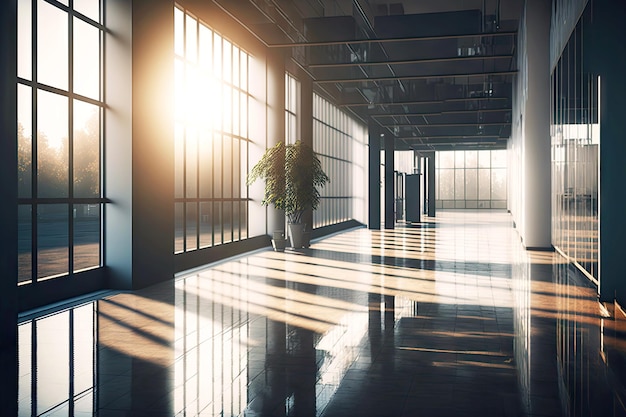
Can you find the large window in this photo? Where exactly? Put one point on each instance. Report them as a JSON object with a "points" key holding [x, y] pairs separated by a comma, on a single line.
{"points": [[60, 114], [340, 142], [292, 105], [575, 131], [211, 135], [471, 179]]}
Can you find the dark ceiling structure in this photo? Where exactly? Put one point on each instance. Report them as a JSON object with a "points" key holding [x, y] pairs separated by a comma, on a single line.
{"points": [[436, 74]]}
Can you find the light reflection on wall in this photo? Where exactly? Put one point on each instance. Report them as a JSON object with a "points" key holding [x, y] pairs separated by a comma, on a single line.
{"points": [[56, 363]]}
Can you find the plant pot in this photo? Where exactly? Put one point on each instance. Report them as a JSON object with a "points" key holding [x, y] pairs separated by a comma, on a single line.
{"points": [[296, 233], [306, 239], [279, 243]]}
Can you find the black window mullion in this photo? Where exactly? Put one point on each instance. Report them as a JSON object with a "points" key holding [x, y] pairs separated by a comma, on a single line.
{"points": [[33, 368], [70, 144], [185, 131], [34, 148], [198, 138], [71, 385]]}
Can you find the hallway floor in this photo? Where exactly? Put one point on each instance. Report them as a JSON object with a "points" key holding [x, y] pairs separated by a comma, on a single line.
{"points": [[449, 317]]}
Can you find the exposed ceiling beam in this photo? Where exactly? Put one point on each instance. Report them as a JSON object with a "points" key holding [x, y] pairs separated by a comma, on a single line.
{"points": [[424, 102], [414, 77], [444, 124], [468, 137], [444, 140], [441, 113], [410, 61], [388, 40]]}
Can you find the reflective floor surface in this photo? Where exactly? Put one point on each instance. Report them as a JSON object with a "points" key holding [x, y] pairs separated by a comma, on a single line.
{"points": [[450, 317]]}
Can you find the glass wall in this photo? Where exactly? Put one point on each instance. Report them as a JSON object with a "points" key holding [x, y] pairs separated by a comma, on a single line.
{"points": [[292, 104], [340, 142], [471, 179], [575, 133], [60, 111], [211, 136]]}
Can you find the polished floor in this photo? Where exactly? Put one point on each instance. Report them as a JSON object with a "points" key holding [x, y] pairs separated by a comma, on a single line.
{"points": [[450, 317]]}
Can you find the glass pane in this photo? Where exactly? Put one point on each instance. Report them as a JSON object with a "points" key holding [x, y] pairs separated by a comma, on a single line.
{"points": [[227, 221], [498, 184], [484, 159], [227, 174], [498, 159], [179, 32], [86, 59], [471, 184], [217, 223], [244, 168], [484, 184], [243, 68], [52, 240], [243, 115], [90, 8], [25, 369], [236, 168], [206, 47], [179, 159], [86, 149], [235, 112], [243, 219], [192, 226], [52, 45], [52, 151], [227, 109], [86, 236], [53, 354], [217, 55], [446, 159], [446, 184], [24, 244], [191, 163], [228, 61], [471, 159], [179, 90], [83, 347], [206, 224], [236, 221], [24, 39], [236, 66], [178, 232], [191, 38], [459, 159], [24, 141], [459, 184], [217, 165], [205, 167]]}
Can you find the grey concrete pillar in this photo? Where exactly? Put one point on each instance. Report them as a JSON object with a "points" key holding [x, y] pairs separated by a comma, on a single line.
{"points": [[275, 122], [430, 184], [536, 164], [374, 177], [390, 181], [306, 128]]}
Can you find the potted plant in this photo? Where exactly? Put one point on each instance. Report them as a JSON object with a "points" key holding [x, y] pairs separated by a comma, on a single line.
{"points": [[292, 175]]}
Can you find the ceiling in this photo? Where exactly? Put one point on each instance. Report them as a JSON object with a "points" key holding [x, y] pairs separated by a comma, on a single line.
{"points": [[437, 74]]}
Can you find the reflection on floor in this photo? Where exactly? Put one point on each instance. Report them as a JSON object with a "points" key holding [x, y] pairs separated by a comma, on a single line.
{"points": [[445, 318]]}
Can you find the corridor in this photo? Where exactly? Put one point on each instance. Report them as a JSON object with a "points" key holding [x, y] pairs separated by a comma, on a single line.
{"points": [[449, 317]]}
